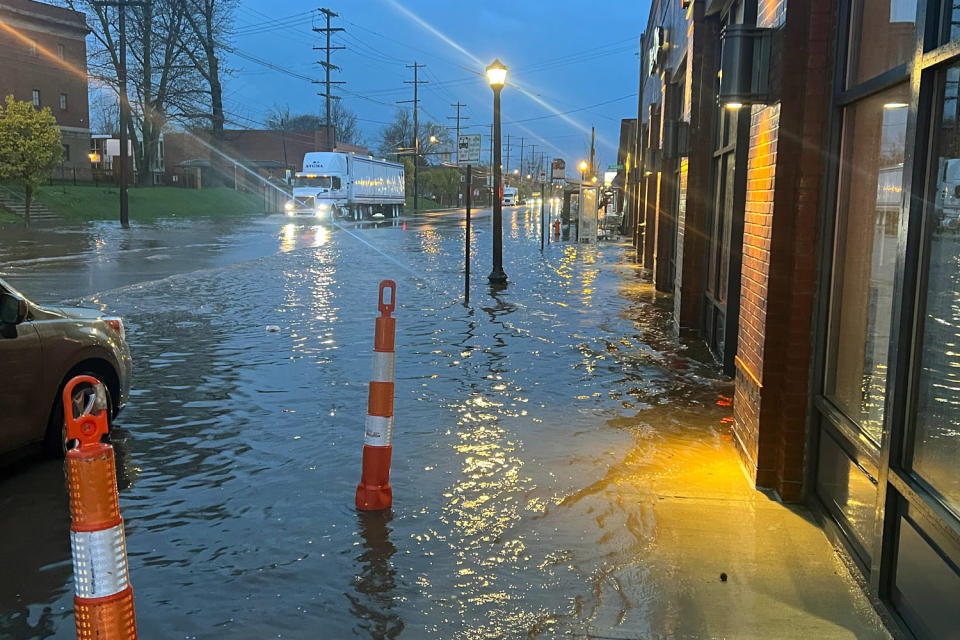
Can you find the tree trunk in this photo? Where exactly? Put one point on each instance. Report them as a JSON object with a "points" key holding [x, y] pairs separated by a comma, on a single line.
{"points": [[213, 66], [28, 193]]}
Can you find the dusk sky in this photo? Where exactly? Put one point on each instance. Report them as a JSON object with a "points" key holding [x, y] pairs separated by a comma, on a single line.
{"points": [[563, 58]]}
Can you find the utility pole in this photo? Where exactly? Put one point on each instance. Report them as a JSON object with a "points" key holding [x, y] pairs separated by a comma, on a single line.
{"points": [[507, 172], [593, 171], [458, 118], [491, 148], [121, 6], [521, 160], [416, 82], [328, 30]]}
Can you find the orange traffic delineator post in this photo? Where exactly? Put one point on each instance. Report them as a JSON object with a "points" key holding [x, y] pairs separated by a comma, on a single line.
{"points": [[103, 596], [374, 491]]}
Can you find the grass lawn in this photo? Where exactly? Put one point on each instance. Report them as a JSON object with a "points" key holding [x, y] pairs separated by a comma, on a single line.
{"points": [[7, 218], [147, 203], [425, 203]]}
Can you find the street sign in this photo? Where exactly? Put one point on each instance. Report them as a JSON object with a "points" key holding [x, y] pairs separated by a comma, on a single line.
{"points": [[543, 175], [615, 167], [558, 169], [468, 149]]}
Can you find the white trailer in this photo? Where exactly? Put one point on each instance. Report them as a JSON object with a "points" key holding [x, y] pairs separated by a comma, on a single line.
{"points": [[347, 185]]}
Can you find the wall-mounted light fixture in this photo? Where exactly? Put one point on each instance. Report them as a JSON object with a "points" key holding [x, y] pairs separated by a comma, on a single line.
{"points": [[744, 66]]}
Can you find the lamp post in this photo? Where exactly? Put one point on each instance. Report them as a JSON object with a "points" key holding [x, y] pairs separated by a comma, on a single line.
{"points": [[497, 77]]}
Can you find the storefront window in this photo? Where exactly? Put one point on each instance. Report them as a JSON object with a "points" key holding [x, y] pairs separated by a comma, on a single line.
{"points": [[868, 214], [951, 25], [936, 452], [881, 37]]}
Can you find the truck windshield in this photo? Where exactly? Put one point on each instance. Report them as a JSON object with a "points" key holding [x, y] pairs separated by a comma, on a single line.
{"points": [[324, 182]]}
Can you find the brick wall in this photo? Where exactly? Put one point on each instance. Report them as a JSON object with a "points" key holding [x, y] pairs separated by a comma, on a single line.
{"points": [[778, 278], [43, 48], [699, 107]]}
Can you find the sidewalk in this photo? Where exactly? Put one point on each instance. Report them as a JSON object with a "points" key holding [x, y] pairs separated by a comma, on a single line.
{"points": [[690, 519]]}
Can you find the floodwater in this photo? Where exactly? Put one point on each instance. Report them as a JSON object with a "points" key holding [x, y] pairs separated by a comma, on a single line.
{"points": [[523, 422]]}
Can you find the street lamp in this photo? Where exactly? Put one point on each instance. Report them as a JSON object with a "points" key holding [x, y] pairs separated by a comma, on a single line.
{"points": [[433, 139], [497, 77]]}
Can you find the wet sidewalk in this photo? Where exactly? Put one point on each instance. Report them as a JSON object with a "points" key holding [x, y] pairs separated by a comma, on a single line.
{"points": [[563, 467]]}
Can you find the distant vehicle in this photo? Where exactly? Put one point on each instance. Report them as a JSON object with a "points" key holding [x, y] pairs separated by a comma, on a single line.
{"points": [[347, 185], [42, 348], [509, 196]]}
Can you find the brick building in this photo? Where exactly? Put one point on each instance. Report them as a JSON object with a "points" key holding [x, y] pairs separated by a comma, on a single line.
{"points": [[797, 190], [43, 59], [266, 152]]}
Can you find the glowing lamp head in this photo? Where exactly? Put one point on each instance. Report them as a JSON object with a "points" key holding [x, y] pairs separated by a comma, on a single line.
{"points": [[582, 166], [497, 74], [593, 179], [433, 139]]}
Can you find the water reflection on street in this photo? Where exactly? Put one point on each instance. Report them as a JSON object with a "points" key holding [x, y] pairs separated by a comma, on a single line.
{"points": [[528, 425]]}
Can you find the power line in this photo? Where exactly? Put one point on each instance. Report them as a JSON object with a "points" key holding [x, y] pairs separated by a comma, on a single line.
{"points": [[563, 113]]}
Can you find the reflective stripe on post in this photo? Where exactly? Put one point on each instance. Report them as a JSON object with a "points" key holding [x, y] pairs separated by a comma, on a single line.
{"points": [[374, 491], [103, 596]]}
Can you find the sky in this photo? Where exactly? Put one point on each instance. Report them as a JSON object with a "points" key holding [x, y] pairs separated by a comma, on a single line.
{"points": [[562, 57]]}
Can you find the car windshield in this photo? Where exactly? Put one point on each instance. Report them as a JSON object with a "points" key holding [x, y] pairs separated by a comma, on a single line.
{"points": [[4, 287], [323, 182]]}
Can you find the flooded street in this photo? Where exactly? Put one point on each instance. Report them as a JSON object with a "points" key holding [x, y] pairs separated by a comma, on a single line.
{"points": [[543, 434]]}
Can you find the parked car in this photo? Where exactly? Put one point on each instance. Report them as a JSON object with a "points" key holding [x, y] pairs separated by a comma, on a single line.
{"points": [[43, 347]]}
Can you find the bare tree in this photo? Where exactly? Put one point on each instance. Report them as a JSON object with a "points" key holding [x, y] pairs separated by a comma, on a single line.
{"points": [[397, 137], [104, 111], [343, 120], [163, 82], [207, 21]]}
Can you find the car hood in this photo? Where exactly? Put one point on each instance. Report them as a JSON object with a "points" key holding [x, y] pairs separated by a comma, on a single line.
{"points": [[78, 313]]}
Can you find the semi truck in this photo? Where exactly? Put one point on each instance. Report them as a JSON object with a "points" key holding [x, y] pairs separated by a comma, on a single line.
{"points": [[347, 185], [509, 196]]}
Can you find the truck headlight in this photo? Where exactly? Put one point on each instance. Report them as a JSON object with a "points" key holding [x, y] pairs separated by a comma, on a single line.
{"points": [[288, 206]]}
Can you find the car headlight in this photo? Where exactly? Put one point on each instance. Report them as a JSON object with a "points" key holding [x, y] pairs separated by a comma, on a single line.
{"points": [[288, 206], [322, 206]]}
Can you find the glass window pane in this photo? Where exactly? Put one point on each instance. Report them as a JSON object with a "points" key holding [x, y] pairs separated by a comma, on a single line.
{"points": [[951, 22], [881, 37], [868, 213], [847, 490], [936, 455]]}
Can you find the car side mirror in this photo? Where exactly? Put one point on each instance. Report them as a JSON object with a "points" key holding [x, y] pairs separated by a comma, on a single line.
{"points": [[13, 309]]}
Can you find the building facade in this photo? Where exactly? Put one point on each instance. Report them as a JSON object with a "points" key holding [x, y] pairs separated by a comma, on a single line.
{"points": [[798, 193], [43, 60]]}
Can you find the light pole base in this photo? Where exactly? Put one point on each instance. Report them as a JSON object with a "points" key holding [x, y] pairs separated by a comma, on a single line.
{"points": [[497, 276]]}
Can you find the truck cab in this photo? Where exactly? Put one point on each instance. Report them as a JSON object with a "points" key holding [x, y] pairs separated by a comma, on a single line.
{"points": [[509, 196], [321, 189]]}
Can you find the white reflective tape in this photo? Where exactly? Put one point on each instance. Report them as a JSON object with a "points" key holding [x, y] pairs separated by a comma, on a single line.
{"points": [[99, 562], [379, 431], [382, 366]]}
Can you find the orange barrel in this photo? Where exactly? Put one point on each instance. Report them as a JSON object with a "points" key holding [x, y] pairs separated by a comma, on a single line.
{"points": [[103, 597], [374, 491]]}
